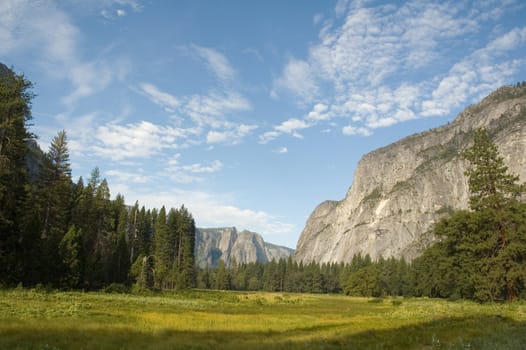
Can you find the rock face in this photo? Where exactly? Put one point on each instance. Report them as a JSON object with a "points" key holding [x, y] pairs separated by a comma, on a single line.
{"points": [[400, 190], [214, 244]]}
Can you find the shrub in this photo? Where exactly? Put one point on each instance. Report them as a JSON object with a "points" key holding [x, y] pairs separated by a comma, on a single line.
{"points": [[116, 288]]}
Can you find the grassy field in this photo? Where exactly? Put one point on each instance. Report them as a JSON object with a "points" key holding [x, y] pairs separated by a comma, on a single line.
{"points": [[228, 320]]}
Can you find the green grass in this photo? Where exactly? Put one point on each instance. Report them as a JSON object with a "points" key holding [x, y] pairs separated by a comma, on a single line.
{"points": [[228, 320]]}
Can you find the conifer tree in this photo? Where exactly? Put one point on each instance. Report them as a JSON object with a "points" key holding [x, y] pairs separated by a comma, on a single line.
{"points": [[479, 255], [161, 249], [15, 113], [70, 252], [490, 184]]}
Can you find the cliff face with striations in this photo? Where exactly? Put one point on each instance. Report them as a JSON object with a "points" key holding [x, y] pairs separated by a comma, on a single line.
{"points": [[401, 190], [227, 244]]}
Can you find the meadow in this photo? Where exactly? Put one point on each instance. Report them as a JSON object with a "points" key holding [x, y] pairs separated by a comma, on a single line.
{"points": [[36, 319]]}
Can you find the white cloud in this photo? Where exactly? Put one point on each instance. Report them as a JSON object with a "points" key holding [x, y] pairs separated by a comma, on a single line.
{"points": [[190, 173], [123, 176], [216, 62], [508, 41], [40, 26], [299, 79], [268, 136], [353, 130], [89, 78], [290, 126], [42, 29], [476, 74], [319, 112], [205, 109], [139, 140], [215, 166], [217, 137], [282, 150], [381, 65], [159, 97], [111, 8], [232, 136]]}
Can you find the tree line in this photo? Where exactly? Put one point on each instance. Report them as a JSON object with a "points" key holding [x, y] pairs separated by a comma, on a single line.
{"points": [[73, 235]]}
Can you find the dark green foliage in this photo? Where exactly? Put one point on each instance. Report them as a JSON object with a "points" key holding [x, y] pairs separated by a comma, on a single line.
{"points": [[489, 182], [481, 253], [173, 249], [57, 233], [70, 251], [15, 113]]}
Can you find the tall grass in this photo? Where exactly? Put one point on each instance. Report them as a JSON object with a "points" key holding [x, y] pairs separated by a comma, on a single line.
{"points": [[32, 319]]}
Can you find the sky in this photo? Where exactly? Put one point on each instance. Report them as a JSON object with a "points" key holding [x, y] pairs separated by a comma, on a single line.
{"points": [[251, 113]]}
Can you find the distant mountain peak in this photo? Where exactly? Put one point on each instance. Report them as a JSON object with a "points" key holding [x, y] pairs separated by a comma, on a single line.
{"points": [[227, 244]]}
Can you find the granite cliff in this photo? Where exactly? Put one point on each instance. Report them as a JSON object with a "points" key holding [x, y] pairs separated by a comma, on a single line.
{"points": [[401, 190], [227, 244]]}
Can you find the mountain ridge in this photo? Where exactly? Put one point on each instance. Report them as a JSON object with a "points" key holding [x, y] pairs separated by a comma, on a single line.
{"points": [[401, 189], [229, 245]]}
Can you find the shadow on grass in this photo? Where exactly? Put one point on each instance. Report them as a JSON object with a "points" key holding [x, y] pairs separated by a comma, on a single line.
{"points": [[449, 333]]}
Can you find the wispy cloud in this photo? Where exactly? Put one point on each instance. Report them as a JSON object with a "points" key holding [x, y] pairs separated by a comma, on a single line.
{"points": [[127, 177], [206, 112], [213, 108], [138, 140], [290, 126], [298, 78], [381, 65], [42, 28], [159, 97], [231, 136], [216, 62], [353, 130], [112, 9], [190, 173]]}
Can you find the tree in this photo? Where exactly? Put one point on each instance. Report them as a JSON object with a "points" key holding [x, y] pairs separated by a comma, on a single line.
{"points": [[480, 254], [161, 249], [490, 184], [222, 277], [70, 252], [15, 113], [59, 154], [494, 194], [55, 190]]}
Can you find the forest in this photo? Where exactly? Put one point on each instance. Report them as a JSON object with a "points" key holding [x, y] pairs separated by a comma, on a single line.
{"points": [[65, 234], [72, 235]]}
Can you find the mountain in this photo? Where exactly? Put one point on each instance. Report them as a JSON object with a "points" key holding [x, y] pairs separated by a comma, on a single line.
{"points": [[227, 244], [401, 190]]}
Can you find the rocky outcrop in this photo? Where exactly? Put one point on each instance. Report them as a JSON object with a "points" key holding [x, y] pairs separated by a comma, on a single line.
{"points": [[227, 244], [401, 190]]}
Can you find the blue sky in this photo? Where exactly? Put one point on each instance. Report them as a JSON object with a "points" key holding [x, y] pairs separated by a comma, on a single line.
{"points": [[251, 112]]}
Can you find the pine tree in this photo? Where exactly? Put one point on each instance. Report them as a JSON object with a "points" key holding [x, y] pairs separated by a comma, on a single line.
{"points": [[15, 113], [479, 253], [59, 154], [161, 249], [70, 252], [222, 277], [494, 194]]}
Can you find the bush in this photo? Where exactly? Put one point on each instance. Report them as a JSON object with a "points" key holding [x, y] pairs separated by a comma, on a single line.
{"points": [[116, 288]]}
